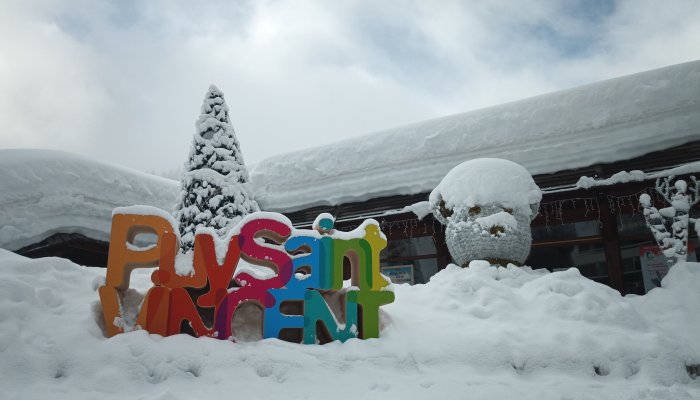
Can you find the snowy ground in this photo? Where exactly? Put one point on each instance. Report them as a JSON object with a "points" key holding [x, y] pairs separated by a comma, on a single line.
{"points": [[469, 333]]}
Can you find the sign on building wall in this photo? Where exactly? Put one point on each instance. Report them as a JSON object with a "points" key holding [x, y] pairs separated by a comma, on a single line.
{"points": [[399, 273], [655, 266]]}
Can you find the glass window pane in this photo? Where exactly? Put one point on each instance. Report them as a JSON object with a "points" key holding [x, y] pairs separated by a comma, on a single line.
{"points": [[422, 269], [416, 246], [425, 269], [632, 224], [589, 258], [565, 231], [631, 265]]}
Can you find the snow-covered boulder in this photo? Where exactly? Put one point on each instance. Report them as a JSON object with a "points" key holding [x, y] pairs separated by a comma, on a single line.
{"points": [[487, 205]]}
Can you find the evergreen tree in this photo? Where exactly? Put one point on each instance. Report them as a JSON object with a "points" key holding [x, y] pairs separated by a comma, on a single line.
{"points": [[215, 189]]}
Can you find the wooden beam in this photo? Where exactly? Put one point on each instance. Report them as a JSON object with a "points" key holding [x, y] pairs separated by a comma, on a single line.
{"points": [[611, 242], [567, 242], [409, 258], [443, 253]]}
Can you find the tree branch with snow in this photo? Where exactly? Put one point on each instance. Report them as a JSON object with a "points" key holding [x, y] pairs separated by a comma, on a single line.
{"points": [[669, 225], [215, 191]]}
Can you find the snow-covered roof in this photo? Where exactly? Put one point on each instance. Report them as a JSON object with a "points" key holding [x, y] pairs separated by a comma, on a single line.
{"points": [[45, 191], [602, 122]]}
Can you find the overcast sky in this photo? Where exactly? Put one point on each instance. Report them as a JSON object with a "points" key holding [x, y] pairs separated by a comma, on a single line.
{"points": [[123, 81]]}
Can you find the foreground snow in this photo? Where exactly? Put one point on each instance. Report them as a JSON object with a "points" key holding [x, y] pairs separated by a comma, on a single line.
{"points": [[469, 333]]}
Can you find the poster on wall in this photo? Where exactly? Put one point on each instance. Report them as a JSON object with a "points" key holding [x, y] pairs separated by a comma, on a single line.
{"points": [[654, 266], [399, 273]]}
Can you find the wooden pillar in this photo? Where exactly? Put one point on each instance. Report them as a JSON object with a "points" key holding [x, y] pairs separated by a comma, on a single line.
{"points": [[611, 241], [443, 253]]}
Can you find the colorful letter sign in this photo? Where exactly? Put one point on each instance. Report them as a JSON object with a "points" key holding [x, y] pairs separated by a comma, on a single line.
{"points": [[203, 290]]}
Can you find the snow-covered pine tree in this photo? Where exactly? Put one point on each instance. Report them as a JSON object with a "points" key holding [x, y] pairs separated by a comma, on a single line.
{"points": [[669, 225], [215, 190]]}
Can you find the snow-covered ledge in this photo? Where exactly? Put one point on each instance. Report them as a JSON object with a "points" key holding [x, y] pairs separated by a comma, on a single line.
{"points": [[586, 182]]}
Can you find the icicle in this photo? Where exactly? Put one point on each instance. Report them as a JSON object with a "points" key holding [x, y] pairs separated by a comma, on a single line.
{"points": [[589, 207], [560, 213], [611, 204]]}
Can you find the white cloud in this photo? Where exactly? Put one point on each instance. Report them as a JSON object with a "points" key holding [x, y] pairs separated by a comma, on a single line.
{"points": [[123, 81], [49, 93]]}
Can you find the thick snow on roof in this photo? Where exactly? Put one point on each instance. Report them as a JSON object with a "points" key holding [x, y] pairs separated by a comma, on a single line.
{"points": [[45, 191], [480, 332], [606, 121]]}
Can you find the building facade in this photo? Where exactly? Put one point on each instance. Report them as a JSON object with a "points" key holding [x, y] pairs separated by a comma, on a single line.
{"points": [[646, 122]]}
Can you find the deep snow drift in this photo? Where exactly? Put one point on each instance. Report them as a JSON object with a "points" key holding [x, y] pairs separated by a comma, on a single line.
{"points": [[480, 332]]}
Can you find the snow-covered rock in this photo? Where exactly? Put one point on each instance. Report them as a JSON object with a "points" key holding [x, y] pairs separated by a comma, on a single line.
{"points": [[480, 332], [45, 191], [487, 205]]}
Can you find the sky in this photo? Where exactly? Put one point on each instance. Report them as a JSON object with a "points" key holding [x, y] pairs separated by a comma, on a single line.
{"points": [[123, 81]]}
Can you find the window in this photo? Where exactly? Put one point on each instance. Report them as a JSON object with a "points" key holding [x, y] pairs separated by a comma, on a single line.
{"points": [[418, 252], [567, 231], [589, 258], [574, 245]]}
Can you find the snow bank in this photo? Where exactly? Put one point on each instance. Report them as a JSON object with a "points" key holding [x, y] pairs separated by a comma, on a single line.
{"points": [[45, 191], [480, 332], [601, 122]]}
